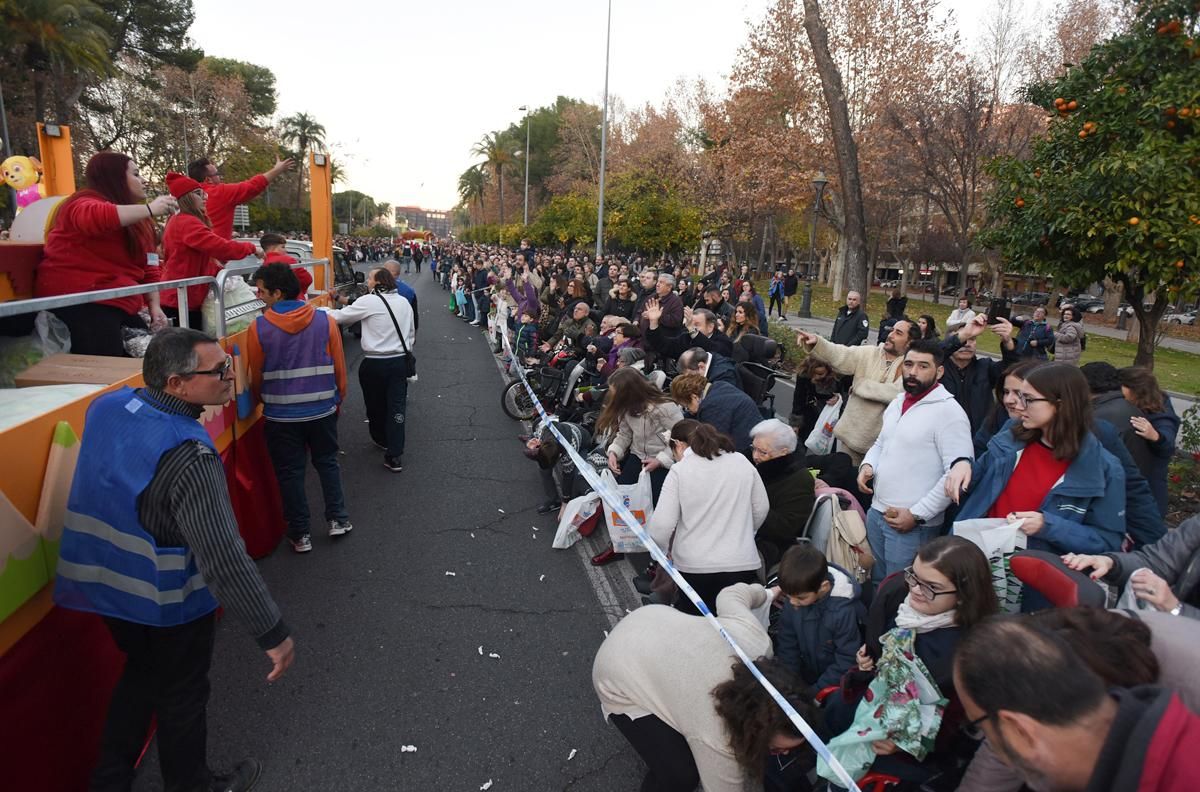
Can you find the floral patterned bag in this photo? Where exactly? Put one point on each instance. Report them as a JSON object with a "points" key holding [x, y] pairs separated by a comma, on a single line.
{"points": [[903, 704]]}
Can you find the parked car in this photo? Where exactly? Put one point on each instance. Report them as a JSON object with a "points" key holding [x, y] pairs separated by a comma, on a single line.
{"points": [[1031, 298], [1184, 318], [950, 290], [1086, 303]]}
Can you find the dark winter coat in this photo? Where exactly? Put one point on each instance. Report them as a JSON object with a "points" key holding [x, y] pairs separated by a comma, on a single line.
{"points": [[1175, 558], [728, 409], [850, 328], [973, 386], [819, 641], [1113, 407], [789, 488]]}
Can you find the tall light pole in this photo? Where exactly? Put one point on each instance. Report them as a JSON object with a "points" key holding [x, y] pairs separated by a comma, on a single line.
{"points": [[806, 298], [525, 110], [603, 140]]}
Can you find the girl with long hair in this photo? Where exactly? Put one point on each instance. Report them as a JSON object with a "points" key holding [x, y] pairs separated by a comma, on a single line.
{"points": [[928, 326], [1049, 471], [1158, 428], [104, 237], [638, 418], [192, 249], [745, 322]]}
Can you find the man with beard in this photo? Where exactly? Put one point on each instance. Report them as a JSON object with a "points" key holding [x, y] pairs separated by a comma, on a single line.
{"points": [[716, 303], [1052, 719], [790, 488], [924, 433]]}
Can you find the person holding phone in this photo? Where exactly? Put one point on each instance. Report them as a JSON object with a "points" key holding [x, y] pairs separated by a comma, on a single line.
{"points": [[104, 237]]}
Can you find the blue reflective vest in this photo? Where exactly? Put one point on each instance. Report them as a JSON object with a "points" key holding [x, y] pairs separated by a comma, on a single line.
{"points": [[108, 563]]}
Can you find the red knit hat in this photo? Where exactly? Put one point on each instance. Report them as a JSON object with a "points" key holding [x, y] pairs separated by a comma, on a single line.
{"points": [[180, 185]]}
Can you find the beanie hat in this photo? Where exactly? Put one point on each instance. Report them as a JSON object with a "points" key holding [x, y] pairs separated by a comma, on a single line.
{"points": [[180, 185]]}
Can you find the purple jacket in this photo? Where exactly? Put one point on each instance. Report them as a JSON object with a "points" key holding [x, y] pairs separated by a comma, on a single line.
{"points": [[525, 302]]}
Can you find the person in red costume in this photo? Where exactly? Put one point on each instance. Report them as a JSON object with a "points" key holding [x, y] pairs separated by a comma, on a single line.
{"points": [[103, 237], [223, 198], [275, 249], [192, 249]]}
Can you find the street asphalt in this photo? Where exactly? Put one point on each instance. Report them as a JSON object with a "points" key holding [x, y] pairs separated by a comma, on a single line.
{"points": [[444, 622]]}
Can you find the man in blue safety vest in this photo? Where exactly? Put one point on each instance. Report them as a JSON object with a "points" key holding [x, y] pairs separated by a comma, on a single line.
{"points": [[151, 544]]}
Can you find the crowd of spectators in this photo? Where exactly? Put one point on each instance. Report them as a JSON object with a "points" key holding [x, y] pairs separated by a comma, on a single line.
{"points": [[931, 432]]}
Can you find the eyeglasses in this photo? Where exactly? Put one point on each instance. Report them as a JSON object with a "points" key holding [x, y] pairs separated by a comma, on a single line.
{"points": [[219, 372], [927, 591], [972, 728], [1025, 399]]}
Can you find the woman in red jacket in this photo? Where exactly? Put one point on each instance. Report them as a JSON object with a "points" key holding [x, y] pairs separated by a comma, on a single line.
{"points": [[102, 239], [192, 249]]}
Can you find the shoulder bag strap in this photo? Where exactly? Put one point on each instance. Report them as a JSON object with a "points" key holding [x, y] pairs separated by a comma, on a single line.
{"points": [[395, 324]]}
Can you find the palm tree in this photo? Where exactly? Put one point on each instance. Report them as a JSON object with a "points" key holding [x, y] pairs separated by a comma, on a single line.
{"points": [[497, 154], [336, 174], [471, 185], [302, 131], [50, 35]]}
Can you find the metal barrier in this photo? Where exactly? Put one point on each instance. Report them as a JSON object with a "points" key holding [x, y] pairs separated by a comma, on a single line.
{"points": [[216, 287]]}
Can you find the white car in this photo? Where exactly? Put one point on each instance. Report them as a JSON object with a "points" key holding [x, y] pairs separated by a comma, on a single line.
{"points": [[1185, 318]]}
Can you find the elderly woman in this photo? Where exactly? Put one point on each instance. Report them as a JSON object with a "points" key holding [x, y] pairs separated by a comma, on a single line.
{"points": [[726, 408], [789, 488]]}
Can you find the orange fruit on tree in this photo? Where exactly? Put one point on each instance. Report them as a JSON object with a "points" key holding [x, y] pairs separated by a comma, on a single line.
{"points": [[1071, 105], [1082, 134], [1170, 125], [1185, 112], [1121, 90], [1170, 110], [1020, 202], [1179, 264], [1059, 102], [1134, 221]]}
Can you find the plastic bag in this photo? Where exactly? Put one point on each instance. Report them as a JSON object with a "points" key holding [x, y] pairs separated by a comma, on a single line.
{"points": [[820, 439], [49, 337], [639, 500], [237, 292], [1129, 600], [576, 513], [999, 539]]}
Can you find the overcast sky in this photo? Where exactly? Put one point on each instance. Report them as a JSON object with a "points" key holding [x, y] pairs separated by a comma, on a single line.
{"points": [[404, 89]]}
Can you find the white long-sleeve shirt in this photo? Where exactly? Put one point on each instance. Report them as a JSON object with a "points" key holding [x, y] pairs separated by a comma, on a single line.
{"points": [[914, 452], [379, 339], [715, 506]]}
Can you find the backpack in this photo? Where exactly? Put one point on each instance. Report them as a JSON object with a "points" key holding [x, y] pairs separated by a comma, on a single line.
{"points": [[840, 534]]}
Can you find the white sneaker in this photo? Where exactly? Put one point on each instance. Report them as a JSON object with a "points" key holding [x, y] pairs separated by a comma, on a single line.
{"points": [[340, 527], [303, 544]]}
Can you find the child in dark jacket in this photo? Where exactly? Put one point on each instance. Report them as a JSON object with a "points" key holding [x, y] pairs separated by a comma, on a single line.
{"points": [[527, 337], [818, 629]]}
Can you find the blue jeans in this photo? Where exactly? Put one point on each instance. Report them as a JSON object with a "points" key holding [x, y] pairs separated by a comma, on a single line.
{"points": [[893, 550], [290, 443]]}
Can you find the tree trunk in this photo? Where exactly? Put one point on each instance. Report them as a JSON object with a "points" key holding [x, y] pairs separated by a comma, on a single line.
{"points": [[1147, 323], [855, 227], [501, 196], [762, 249], [837, 279], [1112, 297]]}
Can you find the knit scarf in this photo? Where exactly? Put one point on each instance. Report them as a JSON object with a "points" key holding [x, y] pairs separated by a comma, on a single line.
{"points": [[908, 618]]}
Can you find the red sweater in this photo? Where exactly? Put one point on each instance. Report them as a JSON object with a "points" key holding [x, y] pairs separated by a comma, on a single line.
{"points": [[191, 250], [86, 250], [223, 198]]}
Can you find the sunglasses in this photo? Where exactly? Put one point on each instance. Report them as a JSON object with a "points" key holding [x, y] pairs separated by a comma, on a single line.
{"points": [[219, 372]]}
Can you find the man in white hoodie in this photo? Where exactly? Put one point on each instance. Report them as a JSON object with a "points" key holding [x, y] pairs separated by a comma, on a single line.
{"points": [[925, 432]]}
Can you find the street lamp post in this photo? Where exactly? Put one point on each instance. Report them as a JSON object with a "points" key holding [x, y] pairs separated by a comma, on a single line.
{"points": [[806, 297], [603, 141], [524, 110]]}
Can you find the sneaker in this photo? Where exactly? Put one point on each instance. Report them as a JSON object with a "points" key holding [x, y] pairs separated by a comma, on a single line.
{"points": [[392, 464], [303, 544], [241, 778], [340, 527]]}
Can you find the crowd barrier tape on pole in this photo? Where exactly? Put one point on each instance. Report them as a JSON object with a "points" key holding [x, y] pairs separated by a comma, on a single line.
{"points": [[616, 504]]}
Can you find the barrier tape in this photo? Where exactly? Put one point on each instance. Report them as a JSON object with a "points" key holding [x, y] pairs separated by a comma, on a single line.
{"points": [[612, 500]]}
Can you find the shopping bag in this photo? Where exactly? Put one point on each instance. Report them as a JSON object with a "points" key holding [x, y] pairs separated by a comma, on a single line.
{"points": [[639, 500], [903, 704], [575, 516], [999, 539], [1129, 600], [820, 439]]}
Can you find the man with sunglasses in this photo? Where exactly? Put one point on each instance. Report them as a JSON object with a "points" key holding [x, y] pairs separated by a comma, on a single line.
{"points": [[151, 544]]}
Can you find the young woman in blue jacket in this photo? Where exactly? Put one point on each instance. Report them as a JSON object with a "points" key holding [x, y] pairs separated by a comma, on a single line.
{"points": [[1049, 470]]}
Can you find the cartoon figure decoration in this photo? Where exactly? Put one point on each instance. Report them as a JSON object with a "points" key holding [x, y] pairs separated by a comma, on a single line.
{"points": [[24, 174]]}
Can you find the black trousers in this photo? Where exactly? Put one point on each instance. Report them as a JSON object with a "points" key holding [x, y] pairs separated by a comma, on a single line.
{"points": [[708, 585], [776, 303], [668, 757], [166, 673], [384, 384], [195, 317], [96, 329]]}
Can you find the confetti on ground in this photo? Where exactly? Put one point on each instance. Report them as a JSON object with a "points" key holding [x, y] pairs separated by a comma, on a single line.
{"points": [[481, 648], [541, 578], [408, 749], [534, 527], [451, 574], [570, 756], [606, 633], [472, 534], [500, 510], [493, 655], [486, 786]]}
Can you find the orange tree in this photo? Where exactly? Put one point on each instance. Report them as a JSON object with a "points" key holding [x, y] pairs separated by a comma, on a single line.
{"points": [[1111, 188]]}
